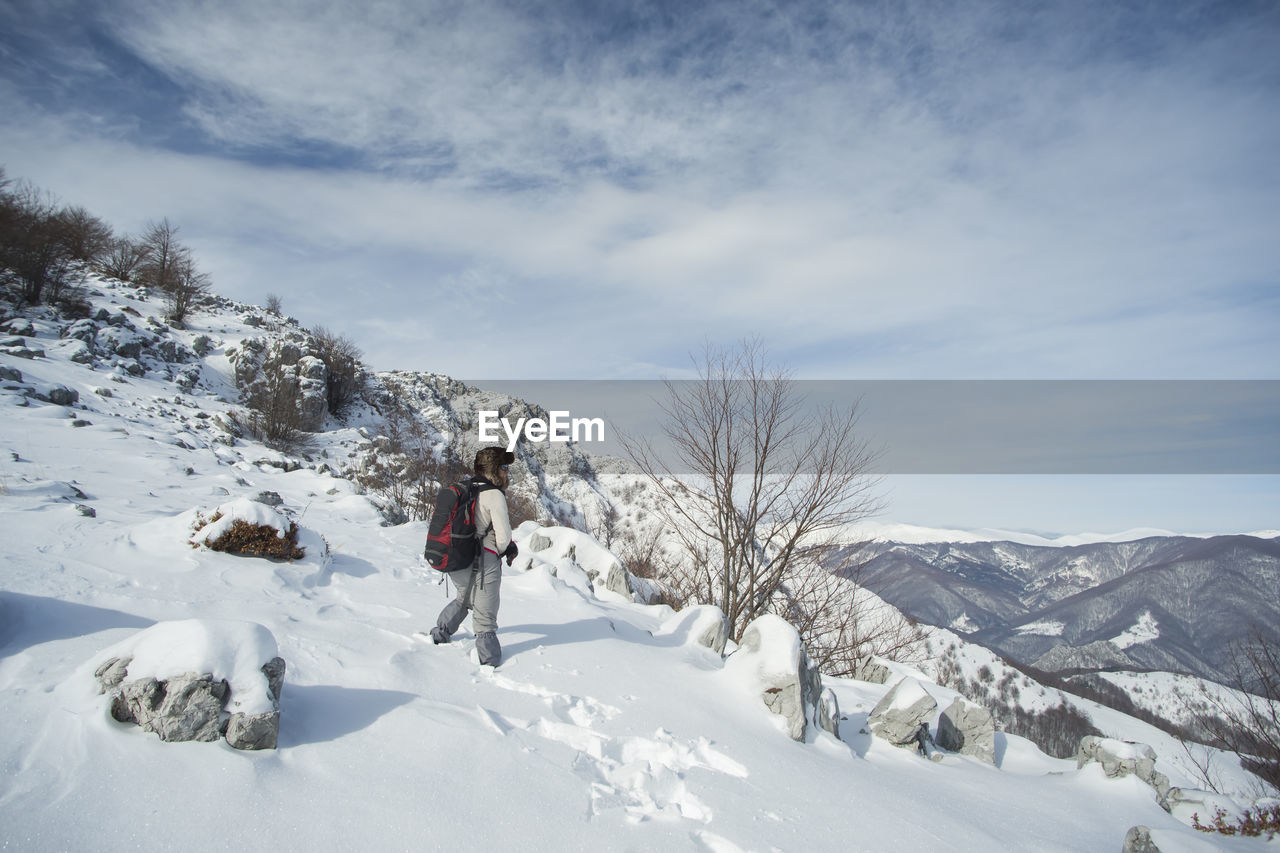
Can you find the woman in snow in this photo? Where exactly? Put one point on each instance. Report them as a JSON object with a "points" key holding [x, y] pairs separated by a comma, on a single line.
{"points": [[478, 586]]}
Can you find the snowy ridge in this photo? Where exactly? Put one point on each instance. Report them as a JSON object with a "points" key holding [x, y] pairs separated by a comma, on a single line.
{"points": [[910, 534], [607, 726]]}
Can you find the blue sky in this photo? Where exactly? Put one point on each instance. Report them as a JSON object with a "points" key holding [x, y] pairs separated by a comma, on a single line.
{"points": [[895, 190]]}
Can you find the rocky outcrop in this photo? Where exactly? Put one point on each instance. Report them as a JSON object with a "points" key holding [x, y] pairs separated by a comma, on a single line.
{"points": [[1138, 840], [1121, 758], [968, 729], [902, 716], [772, 659], [870, 670], [192, 706]]}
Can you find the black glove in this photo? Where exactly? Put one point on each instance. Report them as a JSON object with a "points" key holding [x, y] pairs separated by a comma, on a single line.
{"points": [[511, 552]]}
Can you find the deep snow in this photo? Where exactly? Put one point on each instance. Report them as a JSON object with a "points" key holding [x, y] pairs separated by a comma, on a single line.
{"points": [[606, 728]]}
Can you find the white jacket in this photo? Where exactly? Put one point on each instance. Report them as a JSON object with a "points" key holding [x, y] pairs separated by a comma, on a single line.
{"points": [[492, 520]]}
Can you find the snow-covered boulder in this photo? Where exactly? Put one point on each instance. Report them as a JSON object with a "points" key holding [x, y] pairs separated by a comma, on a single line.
{"points": [[1138, 840], [1193, 805], [772, 662], [871, 670], [1123, 758], [902, 716], [197, 679], [700, 624], [968, 729], [554, 545]]}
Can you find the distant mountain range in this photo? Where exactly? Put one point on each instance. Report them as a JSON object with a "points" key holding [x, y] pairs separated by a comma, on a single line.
{"points": [[1172, 603]]}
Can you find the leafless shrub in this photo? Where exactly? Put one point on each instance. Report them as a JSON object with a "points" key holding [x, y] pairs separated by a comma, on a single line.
{"points": [[34, 255], [775, 485], [272, 402], [168, 266], [122, 259], [342, 358], [1250, 727], [845, 625]]}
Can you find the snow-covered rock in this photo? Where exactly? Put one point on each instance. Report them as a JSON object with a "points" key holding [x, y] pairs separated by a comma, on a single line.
{"points": [[902, 716], [772, 661], [1123, 758], [197, 679], [968, 729]]}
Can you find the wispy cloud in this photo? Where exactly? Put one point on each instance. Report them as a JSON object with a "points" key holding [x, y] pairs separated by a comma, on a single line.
{"points": [[877, 188]]}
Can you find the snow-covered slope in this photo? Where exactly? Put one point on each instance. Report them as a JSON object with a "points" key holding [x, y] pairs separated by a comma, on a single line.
{"points": [[605, 728]]}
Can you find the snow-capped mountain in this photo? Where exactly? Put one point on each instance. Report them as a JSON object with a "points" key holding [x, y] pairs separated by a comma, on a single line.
{"points": [[1163, 603], [608, 726]]}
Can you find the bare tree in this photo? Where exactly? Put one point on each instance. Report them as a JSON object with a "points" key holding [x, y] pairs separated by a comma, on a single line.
{"points": [[771, 487], [1250, 725], [165, 256], [122, 259], [33, 249], [845, 625], [188, 285], [86, 237]]}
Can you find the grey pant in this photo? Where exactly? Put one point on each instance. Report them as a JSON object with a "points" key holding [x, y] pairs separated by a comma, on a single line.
{"points": [[483, 604]]}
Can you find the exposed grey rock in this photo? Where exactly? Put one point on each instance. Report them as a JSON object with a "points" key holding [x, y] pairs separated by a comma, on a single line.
{"points": [[103, 392], [186, 707], [902, 716], [791, 685], [867, 669], [120, 341], [260, 731], [10, 374], [131, 366], [86, 511], [1183, 803], [16, 347], [274, 671], [1138, 840], [202, 344], [21, 327], [714, 633], [192, 706], [172, 351], [829, 712], [269, 498], [614, 578], [392, 513], [111, 673], [254, 731], [251, 320], [968, 729], [1123, 758], [82, 330], [59, 395], [80, 353], [1117, 757], [538, 542], [186, 378]]}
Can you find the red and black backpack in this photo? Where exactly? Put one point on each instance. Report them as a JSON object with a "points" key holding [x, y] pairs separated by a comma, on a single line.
{"points": [[452, 543]]}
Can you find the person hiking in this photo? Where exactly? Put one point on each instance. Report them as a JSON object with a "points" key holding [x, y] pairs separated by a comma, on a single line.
{"points": [[479, 584]]}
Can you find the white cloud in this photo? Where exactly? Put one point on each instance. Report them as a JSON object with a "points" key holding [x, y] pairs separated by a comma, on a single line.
{"points": [[895, 191]]}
